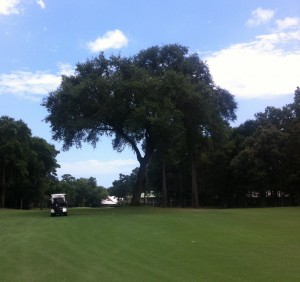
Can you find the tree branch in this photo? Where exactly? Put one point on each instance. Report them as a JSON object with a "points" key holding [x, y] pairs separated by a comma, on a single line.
{"points": [[132, 143]]}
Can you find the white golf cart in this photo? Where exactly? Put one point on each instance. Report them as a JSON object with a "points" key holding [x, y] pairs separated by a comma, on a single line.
{"points": [[58, 204]]}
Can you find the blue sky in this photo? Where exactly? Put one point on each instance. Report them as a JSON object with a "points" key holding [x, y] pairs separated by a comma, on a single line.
{"points": [[252, 49]]}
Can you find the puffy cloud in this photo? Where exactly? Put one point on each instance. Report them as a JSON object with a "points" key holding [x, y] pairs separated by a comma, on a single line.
{"points": [[114, 39], [260, 16], [288, 23], [266, 67], [32, 84], [12, 7], [25, 83], [8, 7], [263, 68], [41, 3], [65, 68]]}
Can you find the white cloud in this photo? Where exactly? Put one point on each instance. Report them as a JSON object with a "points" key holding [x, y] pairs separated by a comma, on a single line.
{"points": [[114, 39], [25, 83], [260, 16], [263, 68], [32, 84], [41, 3], [12, 7], [288, 23], [8, 7], [65, 68], [97, 168]]}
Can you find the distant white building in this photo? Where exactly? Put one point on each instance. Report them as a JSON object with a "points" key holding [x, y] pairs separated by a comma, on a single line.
{"points": [[110, 201], [149, 199]]}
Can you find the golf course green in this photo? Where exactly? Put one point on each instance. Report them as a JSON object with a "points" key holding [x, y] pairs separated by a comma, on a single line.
{"points": [[151, 244]]}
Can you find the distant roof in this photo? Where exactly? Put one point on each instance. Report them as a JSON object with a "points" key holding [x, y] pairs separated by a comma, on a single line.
{"points": [[110, 200], [148, 195]]}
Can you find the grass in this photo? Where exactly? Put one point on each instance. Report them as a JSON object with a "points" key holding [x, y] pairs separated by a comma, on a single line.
{"points": [[151, 244]]}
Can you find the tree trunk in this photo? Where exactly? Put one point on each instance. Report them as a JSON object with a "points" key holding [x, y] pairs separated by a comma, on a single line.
{"points": [[2, 198], [164, 184], [181, 189], [2, 189], [140, 183], [141, 177], [194, 185]]}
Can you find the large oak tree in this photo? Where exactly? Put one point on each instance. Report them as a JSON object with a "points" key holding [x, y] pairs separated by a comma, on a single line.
{"points": [[134, 99]]}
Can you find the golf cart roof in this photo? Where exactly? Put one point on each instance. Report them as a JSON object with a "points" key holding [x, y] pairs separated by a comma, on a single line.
{"points": [[58, 195]]}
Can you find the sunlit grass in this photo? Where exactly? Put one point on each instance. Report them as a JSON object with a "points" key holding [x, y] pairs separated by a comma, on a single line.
{"points": [[151, 244]]}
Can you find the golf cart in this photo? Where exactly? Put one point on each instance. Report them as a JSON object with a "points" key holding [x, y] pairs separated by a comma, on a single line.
{"points": [[58, 204]]}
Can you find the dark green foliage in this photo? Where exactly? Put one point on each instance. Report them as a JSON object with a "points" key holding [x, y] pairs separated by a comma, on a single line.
{"points": [[296, 104], [266, 163], [254, 164], [123, 187], [82, 192], [26, 164]]}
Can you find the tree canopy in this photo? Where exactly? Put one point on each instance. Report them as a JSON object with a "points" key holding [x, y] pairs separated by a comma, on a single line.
{"points": [[26, 164]]}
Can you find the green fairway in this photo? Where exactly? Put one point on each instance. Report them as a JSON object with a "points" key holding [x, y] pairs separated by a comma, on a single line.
{"points": [[151, 244]]}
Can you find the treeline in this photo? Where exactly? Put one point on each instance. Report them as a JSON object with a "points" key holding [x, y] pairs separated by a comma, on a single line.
{"points": [[27, 165], [257, 164], [28, 172], [81, 192]]}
